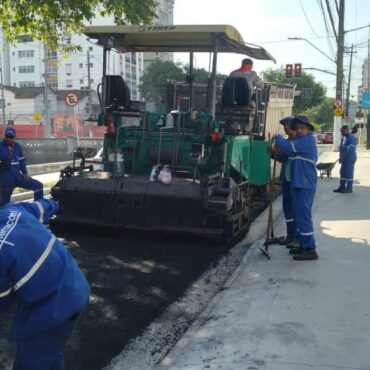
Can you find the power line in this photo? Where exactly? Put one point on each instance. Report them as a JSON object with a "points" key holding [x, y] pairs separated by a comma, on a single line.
{"points": [[304, 12], [321, 7], [331, 19]]}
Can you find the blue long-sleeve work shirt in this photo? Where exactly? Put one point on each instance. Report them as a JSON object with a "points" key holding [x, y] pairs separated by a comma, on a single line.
{"points": [[37, 270], [302, 151], [12, 162], [347, 149]]}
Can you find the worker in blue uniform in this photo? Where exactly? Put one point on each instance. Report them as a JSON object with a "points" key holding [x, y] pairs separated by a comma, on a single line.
{"points": [[347, 157], [13, 169], [303, 153], [285, 161], [39, 273]]}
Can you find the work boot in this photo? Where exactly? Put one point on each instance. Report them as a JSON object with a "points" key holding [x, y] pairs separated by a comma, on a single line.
{"points": [[293, 244], [347, 191], [306, 255], [285, 240], [339, 190], [296, 251]]}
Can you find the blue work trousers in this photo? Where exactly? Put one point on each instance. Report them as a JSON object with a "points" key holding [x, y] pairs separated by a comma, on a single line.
{"points": [[302, 200], [43, 351], [6, 188], [346, 175], [288, 210]]}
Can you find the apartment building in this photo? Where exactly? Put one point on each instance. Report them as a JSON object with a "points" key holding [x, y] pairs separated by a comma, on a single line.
{"points": [[24, 64]]}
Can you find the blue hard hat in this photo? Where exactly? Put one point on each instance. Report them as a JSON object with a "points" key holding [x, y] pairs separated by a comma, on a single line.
{"points": [[9, 131], [304, 120]]}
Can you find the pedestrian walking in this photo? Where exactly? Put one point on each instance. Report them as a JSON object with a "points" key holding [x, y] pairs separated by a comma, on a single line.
{"points": [[285, 161], [13, 169], [39, 273], [347, 158], [303, 153]]}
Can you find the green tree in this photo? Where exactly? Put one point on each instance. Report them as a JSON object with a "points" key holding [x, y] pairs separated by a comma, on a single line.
{"points": [[154, 81], [321, 115], [306, 81], [53, 22]]}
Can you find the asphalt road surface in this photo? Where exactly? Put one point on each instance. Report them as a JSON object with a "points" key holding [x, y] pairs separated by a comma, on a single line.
{"points": [[133, 280]]}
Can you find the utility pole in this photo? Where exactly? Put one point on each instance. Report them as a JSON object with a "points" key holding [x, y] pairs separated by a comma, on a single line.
{"points": [[368, 89], [89, 82], [46, 95], [339, 84], [349, 82], [2, 90]]}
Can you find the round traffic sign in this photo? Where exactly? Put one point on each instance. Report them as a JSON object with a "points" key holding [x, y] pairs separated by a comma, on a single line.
{"points": [[71, 99]]}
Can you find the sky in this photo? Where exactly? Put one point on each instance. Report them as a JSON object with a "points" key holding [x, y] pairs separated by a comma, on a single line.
{"points": [[269, 23]]}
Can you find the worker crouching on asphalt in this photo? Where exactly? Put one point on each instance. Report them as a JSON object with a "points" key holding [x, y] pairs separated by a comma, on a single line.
{"points": [[347, 157], [13, 169], [279, 156], [303, 153], [38, 272]]}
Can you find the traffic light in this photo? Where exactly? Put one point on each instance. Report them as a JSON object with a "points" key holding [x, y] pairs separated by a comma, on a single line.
{"points": [[297, 70], [289, 70]]}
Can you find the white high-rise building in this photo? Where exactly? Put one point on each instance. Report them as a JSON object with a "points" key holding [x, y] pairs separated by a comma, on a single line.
{"points": [[23, 64], [164, 17]]}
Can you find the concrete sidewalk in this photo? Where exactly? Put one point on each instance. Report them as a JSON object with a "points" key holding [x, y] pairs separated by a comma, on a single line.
{"points": [[282, 314]]}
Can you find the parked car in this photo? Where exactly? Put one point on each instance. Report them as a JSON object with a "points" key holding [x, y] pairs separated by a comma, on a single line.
{"points": [[328, 138]]}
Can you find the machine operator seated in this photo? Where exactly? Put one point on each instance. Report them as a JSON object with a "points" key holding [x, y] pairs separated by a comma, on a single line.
{"points": [[239, 87]]}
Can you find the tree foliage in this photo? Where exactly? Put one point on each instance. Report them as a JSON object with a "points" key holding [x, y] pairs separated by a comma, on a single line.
{"points": [[306, 81], [154, 81], [321, 115], [54, 21]]}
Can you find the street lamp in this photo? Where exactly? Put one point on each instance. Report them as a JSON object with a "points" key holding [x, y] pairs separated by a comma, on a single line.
{"points": [[314, 46]]}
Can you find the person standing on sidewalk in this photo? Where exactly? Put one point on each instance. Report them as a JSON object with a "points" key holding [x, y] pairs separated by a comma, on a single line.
{"points": [[39, 273], [13, 169], [285, 161], [303, 152], [347, 158]]}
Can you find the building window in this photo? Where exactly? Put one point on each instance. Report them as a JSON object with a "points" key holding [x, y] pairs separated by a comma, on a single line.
{"points": [[13, 53], [69, 84], [52, 55], [68, 69], [53, 85], [91, 80], [81, 82], [91, 65], [81, 65], [26, 83], [52, 70], [26, 69], [13, 69], [91, 48], [26, 54]]}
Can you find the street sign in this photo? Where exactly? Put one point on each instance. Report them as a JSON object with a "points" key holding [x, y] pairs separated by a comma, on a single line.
{"points": [[337, 104], [71, 99], [37, 116], [365, 100], [338, 112]]}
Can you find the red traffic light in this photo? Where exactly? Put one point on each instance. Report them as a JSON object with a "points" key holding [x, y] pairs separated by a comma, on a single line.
{"points": [[298, 70], [289, 70]]}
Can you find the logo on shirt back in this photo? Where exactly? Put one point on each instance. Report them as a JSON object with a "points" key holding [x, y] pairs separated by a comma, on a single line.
{"points": [[8, 227]]}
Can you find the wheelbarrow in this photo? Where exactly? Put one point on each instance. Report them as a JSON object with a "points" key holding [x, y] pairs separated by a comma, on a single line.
{"points": [[325, 168]]}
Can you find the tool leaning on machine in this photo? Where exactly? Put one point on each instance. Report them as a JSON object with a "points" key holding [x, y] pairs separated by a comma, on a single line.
{"points": [[270, 237]]}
